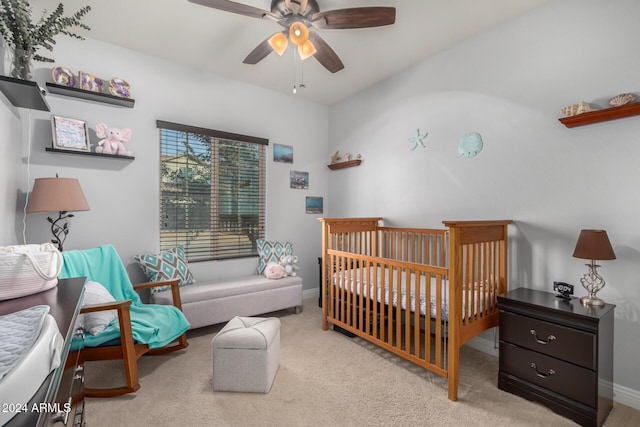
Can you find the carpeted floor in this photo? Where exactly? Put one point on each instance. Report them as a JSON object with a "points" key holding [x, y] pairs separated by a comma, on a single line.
{"points": [[324, 379]]}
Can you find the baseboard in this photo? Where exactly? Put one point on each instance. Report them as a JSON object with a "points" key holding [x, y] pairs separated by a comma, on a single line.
{"points": [[626, 396], [310, 293], [483, 344], [621, 394]]}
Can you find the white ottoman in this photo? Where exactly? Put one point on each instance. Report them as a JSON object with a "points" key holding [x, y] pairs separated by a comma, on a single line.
{"points": [[246, 354]]}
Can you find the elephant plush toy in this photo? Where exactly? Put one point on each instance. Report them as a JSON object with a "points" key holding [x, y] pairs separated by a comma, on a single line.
{"points": [[113, 140]]}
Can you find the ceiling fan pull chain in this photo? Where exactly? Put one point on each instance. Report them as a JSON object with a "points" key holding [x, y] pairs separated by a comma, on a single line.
{"points": [[295, 88]]}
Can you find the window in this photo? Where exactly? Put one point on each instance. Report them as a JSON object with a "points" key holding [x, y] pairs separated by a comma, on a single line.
{"points": [[212, 191]]}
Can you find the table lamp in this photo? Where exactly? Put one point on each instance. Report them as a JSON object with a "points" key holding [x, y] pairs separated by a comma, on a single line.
{"points": [[60, 195], [593, 245]]}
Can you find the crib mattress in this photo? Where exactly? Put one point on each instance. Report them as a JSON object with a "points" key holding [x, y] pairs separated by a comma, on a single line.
{"points": [[350, 280], [30, 348]]}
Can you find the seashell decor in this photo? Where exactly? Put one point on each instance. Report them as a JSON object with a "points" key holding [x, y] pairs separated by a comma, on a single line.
{"points": [[579, 108], [622, 99]]}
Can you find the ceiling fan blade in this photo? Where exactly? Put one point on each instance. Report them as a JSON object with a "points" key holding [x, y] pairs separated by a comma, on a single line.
{"points": [[324, 54], [259, 53], [239, 8], [356, 17]]}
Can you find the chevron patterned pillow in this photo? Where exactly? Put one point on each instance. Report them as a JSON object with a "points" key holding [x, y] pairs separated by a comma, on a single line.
{"points": [[169, 264], [271, 251]]}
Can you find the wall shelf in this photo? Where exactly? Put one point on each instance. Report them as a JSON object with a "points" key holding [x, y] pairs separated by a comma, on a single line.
{"points": [[23, 93], [89, 153], [342, 165], [604, 115], [87, 95]]}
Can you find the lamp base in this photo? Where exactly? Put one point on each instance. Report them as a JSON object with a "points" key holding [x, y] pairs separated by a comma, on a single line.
{"points": [[592, 300]]}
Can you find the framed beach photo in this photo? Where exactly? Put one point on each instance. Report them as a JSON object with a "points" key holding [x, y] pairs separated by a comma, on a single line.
{"points": [[282, 153], [70, 134], [313, 205]]}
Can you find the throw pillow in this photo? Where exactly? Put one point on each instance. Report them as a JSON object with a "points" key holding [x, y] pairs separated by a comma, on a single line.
{"points": [[166, 265], [96, 322], [271, 251]]}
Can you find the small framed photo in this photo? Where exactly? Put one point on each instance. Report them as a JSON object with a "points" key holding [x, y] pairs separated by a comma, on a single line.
{"points": [[282, 153], [313, 205], [70, 134], [299, 180]]}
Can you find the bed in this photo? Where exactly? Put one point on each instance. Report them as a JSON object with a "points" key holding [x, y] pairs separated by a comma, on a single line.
{"points": [[418, 293]]}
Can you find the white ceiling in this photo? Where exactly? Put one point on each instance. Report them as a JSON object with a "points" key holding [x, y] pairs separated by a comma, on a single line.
{"points": [[218, 41]]}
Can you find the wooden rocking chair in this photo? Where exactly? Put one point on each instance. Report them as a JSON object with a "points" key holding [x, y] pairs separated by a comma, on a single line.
{"points": [[141, 328]]}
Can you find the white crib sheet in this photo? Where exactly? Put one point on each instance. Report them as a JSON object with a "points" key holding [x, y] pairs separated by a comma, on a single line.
{"points": [[350, 280]]}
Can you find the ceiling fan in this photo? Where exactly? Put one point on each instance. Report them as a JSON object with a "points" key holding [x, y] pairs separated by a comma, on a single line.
{"points": [[297, 17]]}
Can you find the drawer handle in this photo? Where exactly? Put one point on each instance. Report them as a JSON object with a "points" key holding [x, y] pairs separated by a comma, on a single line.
{"points": [[543, 342], [62, 416], [541, 374]]}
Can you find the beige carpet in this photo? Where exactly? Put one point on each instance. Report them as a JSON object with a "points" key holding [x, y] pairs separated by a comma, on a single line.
{"points": [[324, 379]]}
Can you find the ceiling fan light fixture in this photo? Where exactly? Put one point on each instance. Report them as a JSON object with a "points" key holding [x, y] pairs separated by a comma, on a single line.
{"points": [[306, 50], [298, 33], [279, 43]]}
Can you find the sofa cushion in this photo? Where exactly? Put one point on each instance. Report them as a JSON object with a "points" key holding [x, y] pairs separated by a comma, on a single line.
{"points": [[271, 251], [166, 265], [203, 291]]}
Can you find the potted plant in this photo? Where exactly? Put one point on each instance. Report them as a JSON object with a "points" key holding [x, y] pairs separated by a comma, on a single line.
{"points": [[24, 37]]}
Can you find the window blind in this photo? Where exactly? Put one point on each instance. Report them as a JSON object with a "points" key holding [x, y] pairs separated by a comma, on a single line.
{"points": [[212, 191]]}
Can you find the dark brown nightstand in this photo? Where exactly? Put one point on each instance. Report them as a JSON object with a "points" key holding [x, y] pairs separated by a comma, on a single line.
{"points": [[557, 352]]}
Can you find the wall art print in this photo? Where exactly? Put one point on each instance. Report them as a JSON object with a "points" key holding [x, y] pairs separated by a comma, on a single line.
{"points": [[70, 134], [282, 153], [299, 180], [313, 205]]}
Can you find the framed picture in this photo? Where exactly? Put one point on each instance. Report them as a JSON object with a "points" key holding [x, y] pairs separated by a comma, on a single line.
{"points": [[313, 205], [282, 153], [299, 180], [70, 134]]}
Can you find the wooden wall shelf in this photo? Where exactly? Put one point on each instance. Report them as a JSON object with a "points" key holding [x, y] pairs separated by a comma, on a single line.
{"points": [[604, 115], [87, 95], [23, 93], [342, 165], [89, 153]]}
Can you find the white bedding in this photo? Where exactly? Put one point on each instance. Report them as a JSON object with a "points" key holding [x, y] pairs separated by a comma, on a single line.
{"points": [[350, 280]]}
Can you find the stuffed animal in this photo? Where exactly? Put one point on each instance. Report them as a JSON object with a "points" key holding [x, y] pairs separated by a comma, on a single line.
{"points": [[289, 264], [113, 140], [273, 270]]}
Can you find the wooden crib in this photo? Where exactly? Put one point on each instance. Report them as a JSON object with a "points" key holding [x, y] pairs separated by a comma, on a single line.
{"points": [[419, 293]]}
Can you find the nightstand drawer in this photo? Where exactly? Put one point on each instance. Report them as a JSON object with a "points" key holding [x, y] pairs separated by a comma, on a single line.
{"points": [[568, 344], [561, 377]]}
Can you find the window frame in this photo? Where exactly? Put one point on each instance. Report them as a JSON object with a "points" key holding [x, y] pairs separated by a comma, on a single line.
{"points": [[253, 224]]}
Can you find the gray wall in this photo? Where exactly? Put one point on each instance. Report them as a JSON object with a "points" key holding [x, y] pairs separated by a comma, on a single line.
{"points": [[509, 85], [123, 195]]}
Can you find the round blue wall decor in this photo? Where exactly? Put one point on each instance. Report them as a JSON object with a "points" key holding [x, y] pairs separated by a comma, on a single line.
{"points": [[470, 145]]}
